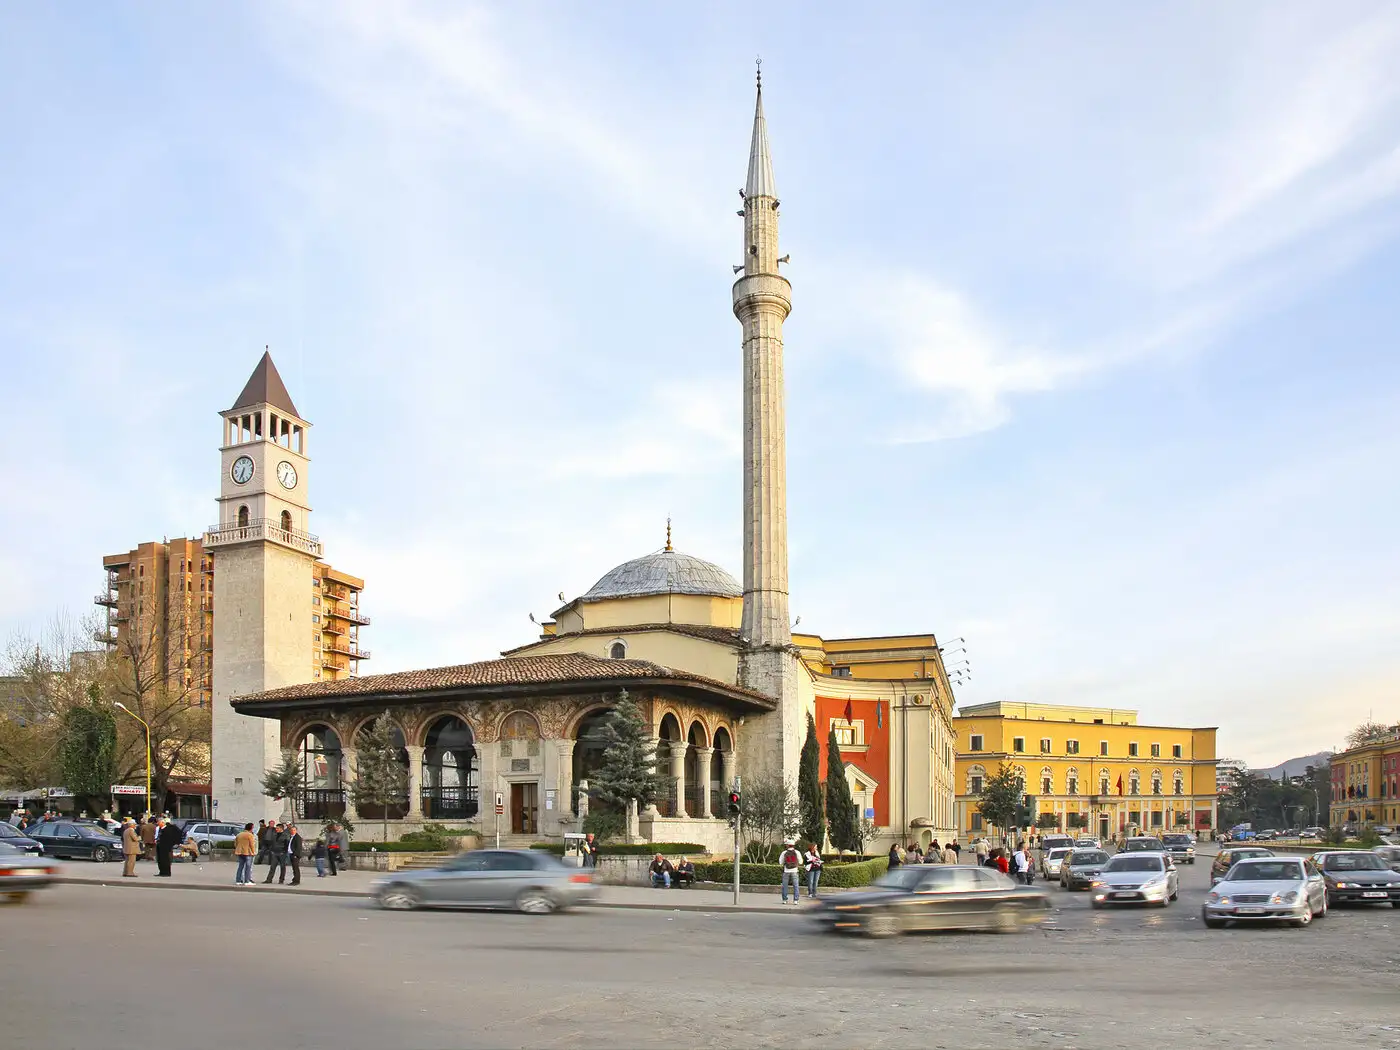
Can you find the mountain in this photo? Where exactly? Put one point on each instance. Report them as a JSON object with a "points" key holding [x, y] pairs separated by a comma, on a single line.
{"points": [[1294, 767]]}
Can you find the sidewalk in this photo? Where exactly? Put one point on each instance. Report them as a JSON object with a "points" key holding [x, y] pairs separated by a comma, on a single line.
{"points": [[217, 876]]}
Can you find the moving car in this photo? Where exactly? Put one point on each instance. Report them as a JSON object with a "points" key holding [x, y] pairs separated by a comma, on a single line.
{"points": [[936, 897], [1144, 844], [1311, 833], [1054, 840], [1287, 889], [1390, 855], [1051, 859], [12, 836], [1358, 876], [1180, 847], [21, 873], [1081, 868], [1087, 842], [526, 880], [76, 839], [1266, 835], [1135, 878], [1227, 857]]}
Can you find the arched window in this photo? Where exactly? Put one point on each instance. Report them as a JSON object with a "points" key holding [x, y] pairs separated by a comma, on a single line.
{"points": [[976, 778], [590, 745], [1020, 774], [1103, 783], [1156, 782], [1134, 783], [243, 517], [449, 789], [1072, 781], [1178, 783], [286, 521], [618, 650], [1047, 781], [398, 808], [322, 761]]}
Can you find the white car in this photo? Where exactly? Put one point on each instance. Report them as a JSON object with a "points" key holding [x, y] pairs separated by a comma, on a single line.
{"points": [[1051, 861], [1087, 842], [1286, 889], [1138, 877]]}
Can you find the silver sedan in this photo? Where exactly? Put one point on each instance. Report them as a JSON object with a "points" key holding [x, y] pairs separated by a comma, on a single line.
{"points": [[1287, 889], [21, 873], [525, 880], [1139, 877]]}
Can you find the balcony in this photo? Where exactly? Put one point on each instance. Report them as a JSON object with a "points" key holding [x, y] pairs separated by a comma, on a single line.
{"points": [[334, 665], [352, 614], [109, 600], [328, 626], [206, 603], [262, 529], [349, 649], [104, 638]]}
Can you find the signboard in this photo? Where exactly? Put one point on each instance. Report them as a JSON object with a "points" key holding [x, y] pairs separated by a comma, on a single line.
{"points": [[549, 796], [869, 812], [500, 803], [63, 793], [127, 789]]}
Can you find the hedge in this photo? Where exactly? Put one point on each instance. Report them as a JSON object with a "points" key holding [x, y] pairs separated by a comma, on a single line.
{"points": [[629, 849], [840, 876]]}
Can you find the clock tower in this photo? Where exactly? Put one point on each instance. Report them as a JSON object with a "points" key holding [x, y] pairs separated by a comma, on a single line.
{"points": [[264, 560]]}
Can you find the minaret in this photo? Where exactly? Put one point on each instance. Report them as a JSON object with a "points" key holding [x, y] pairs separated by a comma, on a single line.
{"points": [[762, 301]]}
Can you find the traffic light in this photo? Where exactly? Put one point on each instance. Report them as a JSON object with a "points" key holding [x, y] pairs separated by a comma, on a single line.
{"points": [[734, 805]]}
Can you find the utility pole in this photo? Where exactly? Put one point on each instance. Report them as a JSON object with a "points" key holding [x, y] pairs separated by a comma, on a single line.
{"points": [[738, 821]]}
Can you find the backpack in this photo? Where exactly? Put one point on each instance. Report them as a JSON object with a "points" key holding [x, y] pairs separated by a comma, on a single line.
{"points": [[791, 858]]}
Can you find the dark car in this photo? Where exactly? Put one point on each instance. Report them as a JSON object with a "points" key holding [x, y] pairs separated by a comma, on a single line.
{"points": [[76, 839], [1227, 857], [1144, 844], [936, 897], [1358, 876], [12, 836], [1081, 868]]}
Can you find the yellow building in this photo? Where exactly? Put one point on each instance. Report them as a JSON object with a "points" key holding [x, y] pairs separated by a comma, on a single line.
{"points": [[1095, 768], [1366, 782]]}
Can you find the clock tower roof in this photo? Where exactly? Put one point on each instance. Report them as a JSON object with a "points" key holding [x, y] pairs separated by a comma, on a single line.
{"points": [[265, 387]]}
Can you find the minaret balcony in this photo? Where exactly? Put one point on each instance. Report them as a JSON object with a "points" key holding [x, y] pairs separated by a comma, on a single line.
{"points": [[261, 529], [109, 600]]}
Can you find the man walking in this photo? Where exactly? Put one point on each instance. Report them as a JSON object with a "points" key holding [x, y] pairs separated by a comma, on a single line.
{"points": [[245, 846], [131, 848], [167, 838], [277, 854], [791, 861], [294, 853]]}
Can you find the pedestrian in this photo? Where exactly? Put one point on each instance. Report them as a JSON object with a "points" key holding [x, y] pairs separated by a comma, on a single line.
{"points": [[1022, 859], [266, 833], [932, 855], [294, 847], [957, 850], [245, 847], [148, 837], [979, 848], [1003, 864], [894, 856], [791, 862], [589, 846], [333, 858], [950, 855], [660, 871], [341, 838], [277, 854], [318, 854], [814, 869], [168, 837], [913, 855], [131, 848]]}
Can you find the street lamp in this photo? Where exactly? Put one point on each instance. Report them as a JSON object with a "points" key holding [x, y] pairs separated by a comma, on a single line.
{"points": [[122, 707]]}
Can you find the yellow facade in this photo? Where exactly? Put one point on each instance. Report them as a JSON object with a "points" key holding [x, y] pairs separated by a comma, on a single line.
{"points": [[1366, 783], [1095, 764]]}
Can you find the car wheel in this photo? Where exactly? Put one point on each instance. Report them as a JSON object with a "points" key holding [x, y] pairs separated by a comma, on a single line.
{"points": [[100, 854], [399, 898], [1304, 918], [1006, 918], [1214, 924], [204, 847], [881, 924], [1323, 913], [17, 896], [535, 901], [1395, 904], [1095, 904]]}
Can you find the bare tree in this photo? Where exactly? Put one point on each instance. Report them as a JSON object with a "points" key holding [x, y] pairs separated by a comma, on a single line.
{"points": [[1366, 732]]}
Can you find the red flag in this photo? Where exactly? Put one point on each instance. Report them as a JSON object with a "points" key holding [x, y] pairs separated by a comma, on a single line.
{"points": [[848, 712], [1120, 783]]}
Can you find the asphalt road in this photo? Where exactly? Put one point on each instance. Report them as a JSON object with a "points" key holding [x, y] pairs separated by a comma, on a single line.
{"points": [[113, 968]]}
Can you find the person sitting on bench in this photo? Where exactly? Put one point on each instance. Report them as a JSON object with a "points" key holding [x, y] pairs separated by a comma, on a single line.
{"points": [[685, 873], [661, 872]]}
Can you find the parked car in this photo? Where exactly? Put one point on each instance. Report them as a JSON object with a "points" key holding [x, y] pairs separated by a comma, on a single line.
{"points": [[1390, 855], [21, 873], [1136, 878], [1144, 844], [203, 833], [12, 836], [526, 880], [76, 839], [1180, 847], [1081, 868], [1287, 889], [935, 897], [1358, 876], [1051, 859], [1227, 857], [1384, 829]]}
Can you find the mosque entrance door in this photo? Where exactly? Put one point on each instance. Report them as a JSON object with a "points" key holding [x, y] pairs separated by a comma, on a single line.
{"points": [[524, 809]]}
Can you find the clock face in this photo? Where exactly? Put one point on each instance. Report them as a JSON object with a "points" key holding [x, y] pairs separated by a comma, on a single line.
{"points": [[242, 470], [287, 475]]}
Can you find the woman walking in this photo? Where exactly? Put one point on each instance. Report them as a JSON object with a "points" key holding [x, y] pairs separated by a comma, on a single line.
{"points": [[814, 869]]}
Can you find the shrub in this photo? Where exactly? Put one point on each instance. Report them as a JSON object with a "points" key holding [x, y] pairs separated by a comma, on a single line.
{"points": [[605, 824], [392, 847], [630, 849], [840, 876], [435, 837]]}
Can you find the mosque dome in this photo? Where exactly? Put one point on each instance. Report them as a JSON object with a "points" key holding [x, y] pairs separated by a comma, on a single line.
{"points": [[664, 572]]}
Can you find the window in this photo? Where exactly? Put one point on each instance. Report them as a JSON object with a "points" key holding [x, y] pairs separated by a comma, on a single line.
{"points": [[315, 617], [1103, 784], [618, 650], [1132, 750], [1103, 747], [1156, 782], [1045, 745], [976, 743], [977, 822], [1156, 818], [1071, 747], [847, 733], [1133, 783], [1176, 751], [316, 599], [1018, 744], [1045, 788], [975, 785], [1178, 783], [840, 672], [242, 517], [1072, 784], [1156, 750]]}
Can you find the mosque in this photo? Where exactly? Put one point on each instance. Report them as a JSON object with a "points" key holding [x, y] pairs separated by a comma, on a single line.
{"points": [[712, 660]]}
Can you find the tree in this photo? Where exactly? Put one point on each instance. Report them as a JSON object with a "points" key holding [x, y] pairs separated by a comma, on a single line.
{"points": [[88, 751], [1076, 821], [1183, 820], [866, 831], [1366, 732], [809, 787], [770, 815], [1047, 821], [380, 778], [287, 781], [840, 808], [1001, 797], [628, 771]]}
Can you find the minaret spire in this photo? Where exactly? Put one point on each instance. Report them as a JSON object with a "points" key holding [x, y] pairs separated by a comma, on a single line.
{"points": [[760, 181]]}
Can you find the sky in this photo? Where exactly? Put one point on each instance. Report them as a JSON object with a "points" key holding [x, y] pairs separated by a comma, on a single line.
{"points": [[1092, 359]]}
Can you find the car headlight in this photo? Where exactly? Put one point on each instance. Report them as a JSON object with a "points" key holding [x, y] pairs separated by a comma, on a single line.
{"points": [[1284, 898], [1223, 899], [1343, 885], [1096, 883], [1212, 898]]}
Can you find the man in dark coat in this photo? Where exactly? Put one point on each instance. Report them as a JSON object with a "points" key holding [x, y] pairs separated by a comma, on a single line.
{"points": [[277, 854], [266, 833], [294, 845], [168, 838]]}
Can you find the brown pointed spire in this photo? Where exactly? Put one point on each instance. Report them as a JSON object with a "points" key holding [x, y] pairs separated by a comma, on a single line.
{"points": [[265, 387]]}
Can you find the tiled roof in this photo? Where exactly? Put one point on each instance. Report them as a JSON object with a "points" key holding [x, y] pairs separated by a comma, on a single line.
{"points": [[549, 670], [723, 635], [265, 387]]}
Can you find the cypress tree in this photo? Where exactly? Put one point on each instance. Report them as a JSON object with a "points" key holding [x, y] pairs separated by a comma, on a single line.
{"points": [[840, 809], [628, 770], [809, 787]]}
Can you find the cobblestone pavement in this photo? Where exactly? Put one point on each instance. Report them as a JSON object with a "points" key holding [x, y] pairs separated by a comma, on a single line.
{"points": [[94, 966]]}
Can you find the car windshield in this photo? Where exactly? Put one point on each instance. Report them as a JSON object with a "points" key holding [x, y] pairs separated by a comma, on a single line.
{"points": [[905, 878], [9, 831], [1177, 840], [1056, 854], [1352, 862], [1266, 871], [1122, 863], [1138, 845], [1091, 856]]}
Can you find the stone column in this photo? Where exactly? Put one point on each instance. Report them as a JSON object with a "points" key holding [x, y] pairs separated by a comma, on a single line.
{"points": [[678, 750], [564, 779], [650, 812], [702, 755], [726, 770], [347, 781], [415, 781]]}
